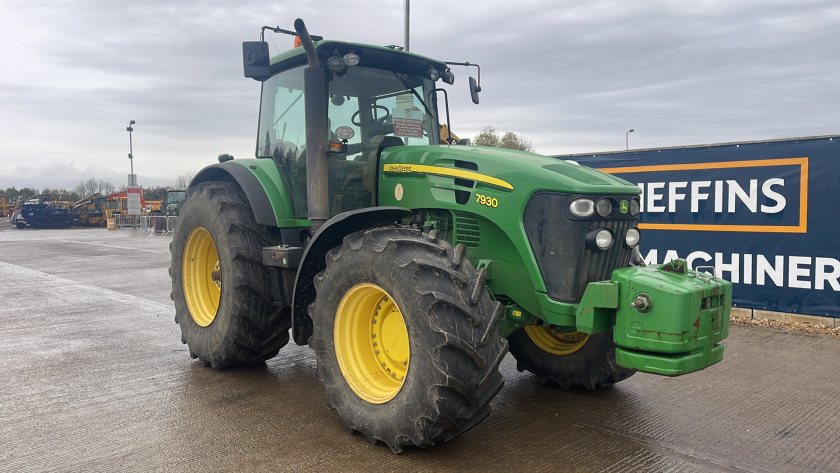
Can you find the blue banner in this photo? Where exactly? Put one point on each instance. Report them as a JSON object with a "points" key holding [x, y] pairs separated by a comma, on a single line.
{"points": [[764, 214]]}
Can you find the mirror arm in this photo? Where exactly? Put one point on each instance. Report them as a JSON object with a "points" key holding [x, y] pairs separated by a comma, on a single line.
{"points": [[467, 63], [277, 29]]}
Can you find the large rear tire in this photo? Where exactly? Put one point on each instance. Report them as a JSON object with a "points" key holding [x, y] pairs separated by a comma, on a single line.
{"points": [[567, 359], [220, 288], [405, 336]]}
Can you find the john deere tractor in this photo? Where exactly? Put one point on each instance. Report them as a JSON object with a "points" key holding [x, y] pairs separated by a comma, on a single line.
{"points": [[410, 263]]}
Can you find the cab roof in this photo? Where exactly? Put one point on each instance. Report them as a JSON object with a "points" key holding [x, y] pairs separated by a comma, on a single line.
{"points": [[368, 53]]}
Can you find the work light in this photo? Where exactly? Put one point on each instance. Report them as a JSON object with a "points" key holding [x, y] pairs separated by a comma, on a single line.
{"points": [[632, 237], [603, 239]]}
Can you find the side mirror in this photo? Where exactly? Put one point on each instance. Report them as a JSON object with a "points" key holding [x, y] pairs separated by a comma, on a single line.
{"points": [[474, 90], [255, 60]]}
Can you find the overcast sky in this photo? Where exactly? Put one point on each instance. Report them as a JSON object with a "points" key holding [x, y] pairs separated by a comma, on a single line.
{"points": [[571, 76]]}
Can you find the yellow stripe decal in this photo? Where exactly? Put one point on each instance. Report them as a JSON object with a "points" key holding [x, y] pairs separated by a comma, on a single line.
{"points": [[449, 172]]}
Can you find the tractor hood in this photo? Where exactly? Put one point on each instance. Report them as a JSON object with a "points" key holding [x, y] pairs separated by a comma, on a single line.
{"points": [[500, 169]]}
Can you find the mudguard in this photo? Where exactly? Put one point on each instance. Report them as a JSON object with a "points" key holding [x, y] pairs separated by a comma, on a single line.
{"points": [[330, 235], [262, 184]]}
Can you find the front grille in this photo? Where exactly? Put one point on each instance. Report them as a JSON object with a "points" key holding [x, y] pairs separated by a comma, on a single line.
{"points": [[559, 246]]}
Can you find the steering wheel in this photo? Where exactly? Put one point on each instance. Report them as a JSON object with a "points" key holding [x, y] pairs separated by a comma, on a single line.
{"points": [[378, 122]]}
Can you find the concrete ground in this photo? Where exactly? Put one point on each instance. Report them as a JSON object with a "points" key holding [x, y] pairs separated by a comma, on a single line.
{"points": [[93, 377]]}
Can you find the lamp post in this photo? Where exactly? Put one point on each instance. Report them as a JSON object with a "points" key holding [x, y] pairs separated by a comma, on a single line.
{"points": [[407, 5], [129, 129], [627, 138]]}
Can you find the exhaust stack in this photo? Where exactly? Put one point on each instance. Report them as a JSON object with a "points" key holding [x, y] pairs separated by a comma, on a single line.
{"points": [[315, 92]]}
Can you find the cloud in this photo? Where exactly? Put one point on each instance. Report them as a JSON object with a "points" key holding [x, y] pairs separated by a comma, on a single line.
{"points": [[570, 76]]}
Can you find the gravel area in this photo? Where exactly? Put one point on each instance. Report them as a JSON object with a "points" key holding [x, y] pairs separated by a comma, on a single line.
{"points": [[790, 326]]}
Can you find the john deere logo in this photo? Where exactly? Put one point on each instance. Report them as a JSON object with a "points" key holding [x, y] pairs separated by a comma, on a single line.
{"points": [[624, 207]]}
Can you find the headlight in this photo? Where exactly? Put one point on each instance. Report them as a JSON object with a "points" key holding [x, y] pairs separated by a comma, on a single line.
{"points": [[582, 207], [634, 207], [604, 207], [632, 237], [603, 239]]}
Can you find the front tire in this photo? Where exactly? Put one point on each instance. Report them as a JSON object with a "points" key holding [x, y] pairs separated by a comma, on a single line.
{"points": [[405, 336], [220, 287], [568, 360]]}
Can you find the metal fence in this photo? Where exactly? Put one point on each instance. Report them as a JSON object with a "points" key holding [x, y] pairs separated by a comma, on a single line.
{"points": [[149, 224]]}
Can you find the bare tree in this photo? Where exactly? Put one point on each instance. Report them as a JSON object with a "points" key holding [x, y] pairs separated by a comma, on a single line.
{"points": [[92, 186], [182, 181], [490, 137]]}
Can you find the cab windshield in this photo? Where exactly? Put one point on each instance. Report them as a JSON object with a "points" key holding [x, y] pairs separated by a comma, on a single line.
{"points": [[376, 103], [368, 109]]}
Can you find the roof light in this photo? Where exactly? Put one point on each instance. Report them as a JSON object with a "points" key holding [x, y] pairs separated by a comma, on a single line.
{"points": [[351, 59], [434, 74], [336, 64]]}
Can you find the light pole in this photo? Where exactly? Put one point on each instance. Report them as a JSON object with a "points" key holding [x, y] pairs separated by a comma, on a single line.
{"points": [[627, 138], [130, 129], [407, 5]]}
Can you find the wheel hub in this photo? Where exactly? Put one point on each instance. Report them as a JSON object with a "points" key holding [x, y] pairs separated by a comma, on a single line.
{"points": [[388, 335], [202, 276], [216, 275], [371, 343]]}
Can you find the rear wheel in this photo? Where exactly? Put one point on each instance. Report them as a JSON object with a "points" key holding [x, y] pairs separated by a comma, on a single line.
{"points": [[220, 288], [568, 359], [405, 336]]}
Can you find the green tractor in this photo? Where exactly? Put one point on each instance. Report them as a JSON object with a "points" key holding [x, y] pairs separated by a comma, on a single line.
{"points": [[411, 264]]}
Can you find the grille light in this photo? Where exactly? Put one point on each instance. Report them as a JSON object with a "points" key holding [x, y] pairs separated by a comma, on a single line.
{"points": [[634, 207], [604, 239], [582, 207], [632, 237], [604, 207]]}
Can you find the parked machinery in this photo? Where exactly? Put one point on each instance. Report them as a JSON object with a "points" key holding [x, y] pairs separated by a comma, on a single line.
{"points": [[90, 211], [40, 212]]}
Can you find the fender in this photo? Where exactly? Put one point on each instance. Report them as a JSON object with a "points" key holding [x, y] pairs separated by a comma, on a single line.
{"points": [[262, 184], [329, 236]]}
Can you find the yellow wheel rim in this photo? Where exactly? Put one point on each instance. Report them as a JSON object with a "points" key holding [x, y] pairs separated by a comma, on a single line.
{"points": [[371, 343], [202, 276], [556, 342]]}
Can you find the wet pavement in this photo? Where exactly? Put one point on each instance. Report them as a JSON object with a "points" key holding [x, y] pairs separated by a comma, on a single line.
{"points": [[93, 377]]}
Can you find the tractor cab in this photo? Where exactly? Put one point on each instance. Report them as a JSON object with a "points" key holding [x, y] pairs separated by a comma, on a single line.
{"points": [[372, 98]]}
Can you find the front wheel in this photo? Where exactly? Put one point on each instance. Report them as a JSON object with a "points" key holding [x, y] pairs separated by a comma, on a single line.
{"points": [[567, 359], [405, 336]]}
